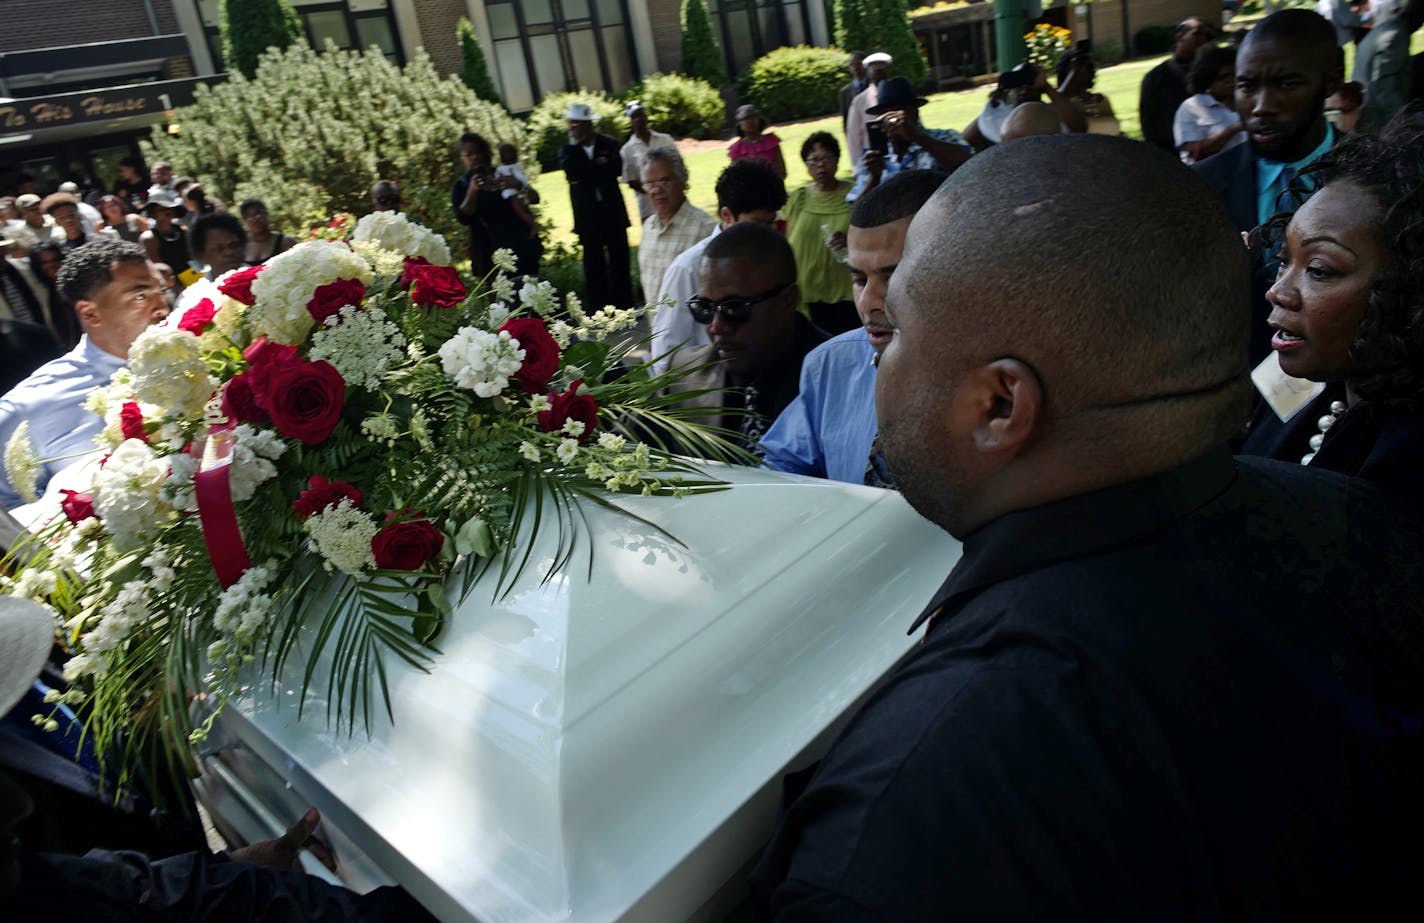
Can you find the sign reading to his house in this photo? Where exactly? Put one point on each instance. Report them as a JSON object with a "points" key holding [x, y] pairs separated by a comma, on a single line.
{"points": [[22, 116]]}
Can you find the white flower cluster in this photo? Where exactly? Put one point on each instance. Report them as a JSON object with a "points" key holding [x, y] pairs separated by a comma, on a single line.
{"points": [[502, 288], [539, 296], [22, 464], [504, 260], [35, 583], [126, 492], [342, 535], [167, 370], [481, 361], [289, 280], [393, 231], [244, 607], [115, 622], [363, 345], [177, 490], [624, 469], [252, 456]]}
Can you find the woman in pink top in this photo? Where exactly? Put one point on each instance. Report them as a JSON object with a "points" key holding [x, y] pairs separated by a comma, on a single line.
{"points": [[756, 142]]}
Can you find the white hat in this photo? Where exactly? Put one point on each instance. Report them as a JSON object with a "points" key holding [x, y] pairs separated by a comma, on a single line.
{"points": [[26, 634], [879, 57], [580, 112]]}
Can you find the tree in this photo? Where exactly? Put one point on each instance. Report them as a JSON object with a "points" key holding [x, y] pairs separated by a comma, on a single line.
{"points": [[701, 56], [250, 27], [882, 25], [311, 132], [473, 71]]}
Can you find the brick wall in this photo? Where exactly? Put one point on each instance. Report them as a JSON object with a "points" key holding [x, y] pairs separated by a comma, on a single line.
{"points": [[1107, 16], [32, 24], [666, 19], [437, 20]]}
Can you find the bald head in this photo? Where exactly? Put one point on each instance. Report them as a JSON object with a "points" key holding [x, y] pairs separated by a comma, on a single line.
{"points": [[1030, 119], [1098, 290]]}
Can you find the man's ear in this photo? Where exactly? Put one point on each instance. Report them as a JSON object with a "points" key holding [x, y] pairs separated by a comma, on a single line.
{"points": [[724, 214], [88, 313], [1007, 400]]}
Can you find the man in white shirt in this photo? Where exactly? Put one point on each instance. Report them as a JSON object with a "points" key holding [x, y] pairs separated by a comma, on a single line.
{"points": [[634, 154], [675, 223], [877, 69]]}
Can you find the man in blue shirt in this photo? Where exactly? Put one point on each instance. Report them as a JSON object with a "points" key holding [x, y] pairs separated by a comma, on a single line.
{"points": [[908, 145], [828, 431], [117, 295]]}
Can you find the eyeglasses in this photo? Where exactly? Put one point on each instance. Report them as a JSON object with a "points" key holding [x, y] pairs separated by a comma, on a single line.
{"points": [[388, 199], [735, 310], [661, 183]]}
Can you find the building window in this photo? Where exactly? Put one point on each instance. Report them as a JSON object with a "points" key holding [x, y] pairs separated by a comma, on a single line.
{"points": [[547, 46], [350, 24], [748, 29]]}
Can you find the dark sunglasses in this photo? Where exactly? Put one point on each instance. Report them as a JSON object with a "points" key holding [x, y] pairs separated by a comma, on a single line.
{"points": [[387, 199], [735, 310]]}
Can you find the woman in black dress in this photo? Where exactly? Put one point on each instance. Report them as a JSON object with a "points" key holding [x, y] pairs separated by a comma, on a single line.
{"points": [[1347, 310]]}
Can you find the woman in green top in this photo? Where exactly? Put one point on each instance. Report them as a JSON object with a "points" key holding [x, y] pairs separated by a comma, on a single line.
{"points": [[817, 218]]}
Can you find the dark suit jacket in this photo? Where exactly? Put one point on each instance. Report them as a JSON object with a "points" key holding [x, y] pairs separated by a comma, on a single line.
{"points": [[848, 93], [24, 347], [1163, 90], [593, 186], [1232, 176]]}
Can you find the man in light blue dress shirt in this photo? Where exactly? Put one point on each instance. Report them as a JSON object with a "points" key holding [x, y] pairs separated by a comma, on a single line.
{"points": [[117, 295], [829, 430]]}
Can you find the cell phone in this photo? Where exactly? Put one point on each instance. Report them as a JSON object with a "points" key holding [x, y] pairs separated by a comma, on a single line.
{"points": [[1014, 79], [875, 134]]}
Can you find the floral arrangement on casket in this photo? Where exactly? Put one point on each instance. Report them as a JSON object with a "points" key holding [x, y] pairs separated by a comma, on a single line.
{"points": [[342, 442]]}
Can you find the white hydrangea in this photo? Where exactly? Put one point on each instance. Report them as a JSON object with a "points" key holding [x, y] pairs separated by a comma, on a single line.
{"points": [[287, 283], [126, 492], [394, 231], [243, 608], [22, 463], [167, 370], [481, 361], [362, 344], [177, 489], [384, 262], [160, 569], [342, 535]]}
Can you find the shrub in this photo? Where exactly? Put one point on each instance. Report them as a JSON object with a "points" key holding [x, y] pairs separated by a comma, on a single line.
{"points": [[549, 131], [1108, 52], [1154, 39], [681, 105], [311, 132], [882, 25], [701, 56], [250, 27], [1046, 45], [791, 83], [473, 70]]}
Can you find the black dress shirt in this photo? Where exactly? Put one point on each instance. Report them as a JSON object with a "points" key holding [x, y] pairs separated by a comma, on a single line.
{"points": [[1163, 90], [1189, 697]]}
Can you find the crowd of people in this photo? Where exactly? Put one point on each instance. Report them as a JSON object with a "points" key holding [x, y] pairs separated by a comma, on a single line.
{"points": [[1172, 411]]}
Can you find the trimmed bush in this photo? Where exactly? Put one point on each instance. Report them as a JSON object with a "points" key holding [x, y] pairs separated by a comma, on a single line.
{"points": [[681, 106], [882, 25], [701, 55], [792, 83], [473, 70], [549, 131], [311, 132], [250, 27]]}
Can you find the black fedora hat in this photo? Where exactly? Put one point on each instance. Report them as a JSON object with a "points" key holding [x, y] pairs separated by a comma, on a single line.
{"points": [[896, 93]]}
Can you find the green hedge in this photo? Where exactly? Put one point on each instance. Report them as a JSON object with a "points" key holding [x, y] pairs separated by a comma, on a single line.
{"points": [[681, 106], [792, 83], [701, 56], [250, 27], [549, 131]]}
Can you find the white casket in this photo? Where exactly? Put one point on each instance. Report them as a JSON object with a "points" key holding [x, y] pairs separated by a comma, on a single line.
{"points": [[604, 749]]}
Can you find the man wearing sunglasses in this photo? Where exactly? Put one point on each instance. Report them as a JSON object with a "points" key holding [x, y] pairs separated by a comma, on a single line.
{"points": [[747, 300]]}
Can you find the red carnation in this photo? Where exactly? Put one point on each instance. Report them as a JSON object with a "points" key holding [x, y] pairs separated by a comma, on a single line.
{"points": [[239, 402], [406, 544], [305, 400], [131, 422], [434, 286], [324, 493], [330, 298], [541, 353], [570, 406], [237, 284], [198, 317], [78, 507]]}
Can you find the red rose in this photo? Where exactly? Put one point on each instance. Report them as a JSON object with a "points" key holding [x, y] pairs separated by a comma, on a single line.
{"points": [[239, 401], [330, 298], [131, 422], [78, 507], [324, 493], [266, 360], [412, 268], [541, 353], [570, 406], [435, 286], [305, 400], [407, 544], [197, 318], [237, 285]]}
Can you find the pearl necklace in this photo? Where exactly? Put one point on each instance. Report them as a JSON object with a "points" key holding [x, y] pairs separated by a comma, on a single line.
{"points": [[1325, 422]]}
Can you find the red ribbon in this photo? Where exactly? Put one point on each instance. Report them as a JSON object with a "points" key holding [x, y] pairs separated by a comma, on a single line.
{"points": [[216, 513]]}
